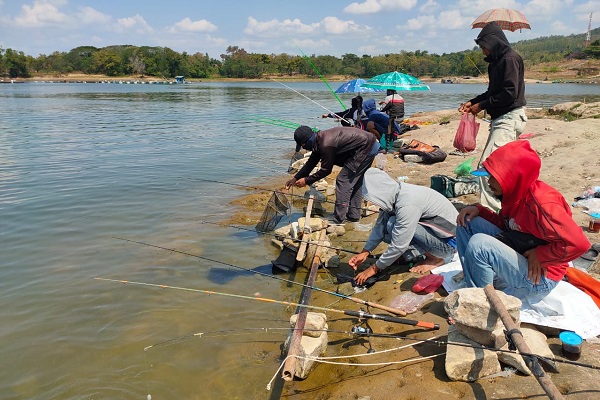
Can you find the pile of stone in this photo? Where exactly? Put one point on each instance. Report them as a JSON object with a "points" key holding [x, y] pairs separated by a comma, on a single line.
{"points": [[476, 323]]}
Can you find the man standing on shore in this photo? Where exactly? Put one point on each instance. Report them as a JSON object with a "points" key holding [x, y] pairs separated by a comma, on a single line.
{"points": [[504, 99], [350, 148]]}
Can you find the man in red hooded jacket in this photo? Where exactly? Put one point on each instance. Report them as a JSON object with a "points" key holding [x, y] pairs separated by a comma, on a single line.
{"points": [[524, 249]]}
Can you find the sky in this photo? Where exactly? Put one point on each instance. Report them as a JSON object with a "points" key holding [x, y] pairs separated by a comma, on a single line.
{"points": [[320, 27]]}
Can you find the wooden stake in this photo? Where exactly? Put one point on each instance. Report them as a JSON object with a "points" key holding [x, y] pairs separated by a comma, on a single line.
{"points": [[517, 338]]}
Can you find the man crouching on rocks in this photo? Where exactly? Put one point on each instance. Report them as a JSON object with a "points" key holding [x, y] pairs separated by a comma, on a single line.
{"points": [[411, 217], [524, 249]]}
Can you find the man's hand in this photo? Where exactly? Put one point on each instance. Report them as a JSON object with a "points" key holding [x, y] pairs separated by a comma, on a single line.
{"points": [[474, 109], [290, 183], [466, 215], [293, 182], [361, 278], [464, 107], [358, 259], [536, 271]]}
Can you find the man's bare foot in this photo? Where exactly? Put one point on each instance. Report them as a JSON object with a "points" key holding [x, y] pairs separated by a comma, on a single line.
{"points": [[430, 262]]}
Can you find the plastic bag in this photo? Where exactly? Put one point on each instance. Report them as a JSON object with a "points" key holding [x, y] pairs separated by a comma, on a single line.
{"points": [[466, 134], [410, 302], [464, 168], [428, 283]]}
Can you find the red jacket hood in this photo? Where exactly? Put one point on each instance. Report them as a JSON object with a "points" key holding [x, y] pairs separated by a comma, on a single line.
{"points": [[516, 167]]}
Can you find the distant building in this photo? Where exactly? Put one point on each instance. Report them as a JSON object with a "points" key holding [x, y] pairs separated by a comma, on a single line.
{"points": [[180, 79]]}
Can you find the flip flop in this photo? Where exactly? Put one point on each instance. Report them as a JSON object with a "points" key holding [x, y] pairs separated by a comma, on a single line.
{"points": [[587, 260]]}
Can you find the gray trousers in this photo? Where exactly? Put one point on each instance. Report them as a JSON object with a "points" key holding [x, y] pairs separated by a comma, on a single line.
{"points": [[503, 130], [348, 191]]}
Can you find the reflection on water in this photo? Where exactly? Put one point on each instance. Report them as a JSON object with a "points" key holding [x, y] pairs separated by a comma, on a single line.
{"points": [[84, 164]]}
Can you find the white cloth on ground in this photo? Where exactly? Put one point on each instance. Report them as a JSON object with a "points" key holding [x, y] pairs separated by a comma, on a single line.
{"points": [[566, 307]]}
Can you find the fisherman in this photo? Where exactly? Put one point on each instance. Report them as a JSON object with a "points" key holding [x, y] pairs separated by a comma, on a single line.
{"points": [[523, 250], [392, 105], [350, 148], [351, 116], [414, 220], [504, 98], [378, 122]]}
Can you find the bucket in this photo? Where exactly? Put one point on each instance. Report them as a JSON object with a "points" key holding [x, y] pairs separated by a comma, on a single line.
{"points": [[571, 344]]}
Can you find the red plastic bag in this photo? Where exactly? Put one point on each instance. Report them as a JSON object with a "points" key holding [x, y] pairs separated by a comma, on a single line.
{"points": [[466, 134], [428, 283]]}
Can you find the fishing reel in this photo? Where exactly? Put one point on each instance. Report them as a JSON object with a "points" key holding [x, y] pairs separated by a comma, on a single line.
{"points": [[364, 331], [361, 330]]}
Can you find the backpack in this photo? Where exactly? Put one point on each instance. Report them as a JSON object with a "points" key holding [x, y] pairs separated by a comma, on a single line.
{"points": [[426, 153]]}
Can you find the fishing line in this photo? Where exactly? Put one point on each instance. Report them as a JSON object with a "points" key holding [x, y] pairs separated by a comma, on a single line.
{"points": [[359, 314], [322, 78], [267, 190], [354, 299], [306, 97], [218, 146]]}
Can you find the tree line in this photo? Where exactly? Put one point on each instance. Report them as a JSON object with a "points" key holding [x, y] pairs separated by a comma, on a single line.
{"points": [[165, 63]]}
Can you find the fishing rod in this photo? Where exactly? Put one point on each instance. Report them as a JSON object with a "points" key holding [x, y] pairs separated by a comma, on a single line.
{"points": [[267, 190], [359, 314], [343, 296], [363, 331], [306, 97], [322, 78], [218, 146], [283, 122]]}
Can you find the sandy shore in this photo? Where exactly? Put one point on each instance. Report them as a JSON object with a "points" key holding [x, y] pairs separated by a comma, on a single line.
{"points": [[570, 163]]}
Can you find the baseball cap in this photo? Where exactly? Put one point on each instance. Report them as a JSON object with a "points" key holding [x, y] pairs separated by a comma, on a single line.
{"points": [[480, 172], [301, 136]]}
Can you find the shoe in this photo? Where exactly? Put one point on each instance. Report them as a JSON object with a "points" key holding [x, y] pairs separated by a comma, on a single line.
{"points": [[353, 219], [334, 221]]}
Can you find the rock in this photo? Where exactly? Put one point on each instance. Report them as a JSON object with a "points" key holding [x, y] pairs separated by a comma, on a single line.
{"points": [[494, 338], [314, 325], [467, 363], [310, 347], [470, 307], [537, 343], [577, 109], [315, 223]]}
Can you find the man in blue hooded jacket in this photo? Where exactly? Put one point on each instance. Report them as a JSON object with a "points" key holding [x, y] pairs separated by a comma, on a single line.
{"points": [[378, 124], [504, 99]]}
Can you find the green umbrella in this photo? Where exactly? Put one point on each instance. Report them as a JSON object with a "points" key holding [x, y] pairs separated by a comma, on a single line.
{"points": [[396, 81]]}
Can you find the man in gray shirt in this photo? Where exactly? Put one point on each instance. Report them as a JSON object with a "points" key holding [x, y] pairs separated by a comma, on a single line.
{"points": [[410, 216]]}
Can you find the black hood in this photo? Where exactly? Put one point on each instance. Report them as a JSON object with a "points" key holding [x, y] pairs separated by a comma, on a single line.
{"points": [[492, 38]]}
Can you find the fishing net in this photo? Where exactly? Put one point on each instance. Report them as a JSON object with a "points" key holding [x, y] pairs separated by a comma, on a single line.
{"points": [[277, 206]]}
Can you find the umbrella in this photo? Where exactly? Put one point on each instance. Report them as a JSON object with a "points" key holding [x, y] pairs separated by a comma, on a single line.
{"points": [[507, 19], [355, 86], [396, 81]]}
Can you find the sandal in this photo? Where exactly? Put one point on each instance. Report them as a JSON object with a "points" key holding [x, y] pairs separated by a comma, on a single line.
{"points": [[587, 259]]}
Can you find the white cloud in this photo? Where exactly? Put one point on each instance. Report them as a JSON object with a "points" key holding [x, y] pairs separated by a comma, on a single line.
{"points": [[135, 24], [453, 20], [421, 22], [376, 6], [187, 25], [40, 14], [336, 26], [429, 7], [275, 28], [88, 15]]}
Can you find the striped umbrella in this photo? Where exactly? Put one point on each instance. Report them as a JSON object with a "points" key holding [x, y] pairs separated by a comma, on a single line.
{"points": [[506, 18]]}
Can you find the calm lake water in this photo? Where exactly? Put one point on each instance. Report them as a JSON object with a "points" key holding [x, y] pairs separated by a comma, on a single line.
{"points": [[84, 164]]}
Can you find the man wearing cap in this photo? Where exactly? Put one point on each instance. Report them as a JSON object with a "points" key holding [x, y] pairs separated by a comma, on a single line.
{"points": [[504, 99], [525, 248], [350, 148]]}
